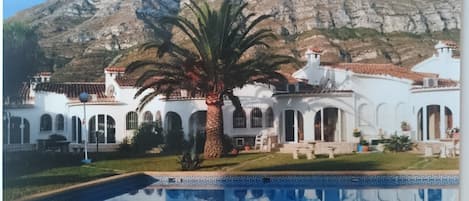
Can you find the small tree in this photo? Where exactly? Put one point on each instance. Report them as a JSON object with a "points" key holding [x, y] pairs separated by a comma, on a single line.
{"points": [[147, 137], [399, 143]]}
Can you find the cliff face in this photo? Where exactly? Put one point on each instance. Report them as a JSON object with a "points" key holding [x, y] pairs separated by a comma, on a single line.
{"points": [[84, 36]]}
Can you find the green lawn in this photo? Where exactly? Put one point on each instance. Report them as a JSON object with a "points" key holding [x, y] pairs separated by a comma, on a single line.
{"points": [[29, 173], [368, 161]]}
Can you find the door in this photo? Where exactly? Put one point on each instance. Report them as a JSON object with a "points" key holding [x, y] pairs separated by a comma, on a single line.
{"points": [[289, 125]]}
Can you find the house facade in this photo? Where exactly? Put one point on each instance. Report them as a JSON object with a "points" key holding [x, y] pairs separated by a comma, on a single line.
{"points": [[320, 103]]}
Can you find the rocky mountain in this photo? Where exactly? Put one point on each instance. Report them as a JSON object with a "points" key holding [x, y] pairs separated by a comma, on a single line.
{"points": [[84, 36]]}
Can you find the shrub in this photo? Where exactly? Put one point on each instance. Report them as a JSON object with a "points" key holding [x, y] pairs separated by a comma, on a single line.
{"points": [[199, 143], [399, 143], [227, 144], [125, 145], [146, 137], [190, 161], [175, 142]]}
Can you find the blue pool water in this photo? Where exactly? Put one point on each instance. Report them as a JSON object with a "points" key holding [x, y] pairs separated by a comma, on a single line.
{"points": [[272, 188]]}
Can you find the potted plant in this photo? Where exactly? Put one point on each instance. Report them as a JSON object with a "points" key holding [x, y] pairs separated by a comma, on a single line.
{"points": [[358, 134], [364, 145], [405, 126]]}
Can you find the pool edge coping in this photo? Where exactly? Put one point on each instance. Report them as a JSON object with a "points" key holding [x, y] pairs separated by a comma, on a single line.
{"points": [[238, 173]]}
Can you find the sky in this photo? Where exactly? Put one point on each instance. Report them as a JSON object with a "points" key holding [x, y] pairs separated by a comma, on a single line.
{"points": [[10, 7]]}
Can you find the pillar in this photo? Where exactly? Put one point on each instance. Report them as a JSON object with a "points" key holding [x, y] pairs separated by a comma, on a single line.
{"points": [[322, 124], [442, 122], [339, 116]]}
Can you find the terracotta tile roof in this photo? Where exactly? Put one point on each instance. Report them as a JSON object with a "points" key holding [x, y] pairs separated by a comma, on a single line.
{"points": [[73, 90], [115, 69], [383, 69], [450, 44], [44, 74], [125, 81], [316, 50], [290, 79], [441, 83]]}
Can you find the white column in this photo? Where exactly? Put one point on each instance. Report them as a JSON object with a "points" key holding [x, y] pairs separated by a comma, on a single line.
{"points": [[424, 123], [339, 116], [442, 122], [464, 150], [322, 124]]}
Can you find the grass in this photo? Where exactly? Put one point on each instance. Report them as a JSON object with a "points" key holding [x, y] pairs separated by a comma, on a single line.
{"points": [[29, 173], [371, 161]]}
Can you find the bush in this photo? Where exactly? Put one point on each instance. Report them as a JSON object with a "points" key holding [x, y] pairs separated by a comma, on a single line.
{"points": [[125, 145], [175, 142], [147, 137], [399, 143], [227, 144], [190, 162]]}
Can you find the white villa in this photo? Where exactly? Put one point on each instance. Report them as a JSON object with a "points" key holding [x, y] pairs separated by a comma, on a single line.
{"points": [[321, 103]]}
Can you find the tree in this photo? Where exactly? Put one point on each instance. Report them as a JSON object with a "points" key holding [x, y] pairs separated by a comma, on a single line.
{"points": [[226, 51], [22, 56]]}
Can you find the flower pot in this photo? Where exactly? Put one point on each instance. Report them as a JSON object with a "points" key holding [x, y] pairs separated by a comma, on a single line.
{"points": [[234, 152], [364, 148], [247, 147], [359, 148]]}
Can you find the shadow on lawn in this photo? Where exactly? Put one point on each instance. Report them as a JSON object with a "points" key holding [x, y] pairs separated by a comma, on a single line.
{"points": [[324, 165], [23, 163], [51, 180]]}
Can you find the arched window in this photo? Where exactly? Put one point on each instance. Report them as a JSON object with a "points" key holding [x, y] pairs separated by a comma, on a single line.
{"points": [[159, 122], [131, 121], [103, 128], [173, 122], [269, 118], [147, 117], [239, 119], [46, 122], [256, 118], [59, 122]]}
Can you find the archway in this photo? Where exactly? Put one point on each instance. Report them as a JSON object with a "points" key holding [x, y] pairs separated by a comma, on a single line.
{"points": [[172, 121], [197, 129], [328, 125]]}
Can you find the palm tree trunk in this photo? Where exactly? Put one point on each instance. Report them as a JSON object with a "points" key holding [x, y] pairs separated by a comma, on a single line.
{"points": [[214, 126]]}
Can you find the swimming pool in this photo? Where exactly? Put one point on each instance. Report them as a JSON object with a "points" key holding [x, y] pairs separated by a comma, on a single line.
{"points": [[174, 187]]}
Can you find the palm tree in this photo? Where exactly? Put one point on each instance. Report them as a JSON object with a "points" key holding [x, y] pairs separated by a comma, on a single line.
{"points": [[223, 54]]}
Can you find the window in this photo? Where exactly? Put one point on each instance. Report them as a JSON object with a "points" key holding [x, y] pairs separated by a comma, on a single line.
{"points": [[76, 129], [269, 118], [256, 118], [59, 121], [239, 119], [131, 121], [102, 128], [46, 122], [147, 117], [158, 119]]}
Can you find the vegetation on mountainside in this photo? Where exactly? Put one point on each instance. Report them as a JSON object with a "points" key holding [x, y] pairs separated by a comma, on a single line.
{"points": [[22, 56]]}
